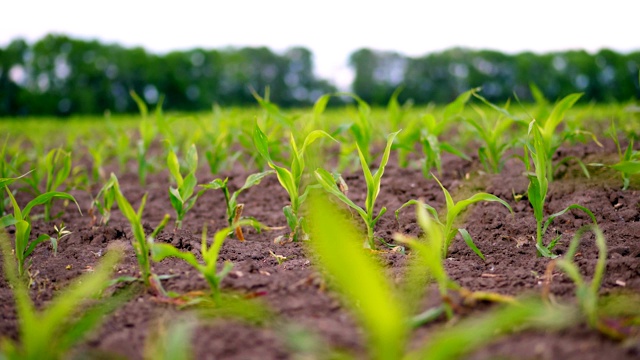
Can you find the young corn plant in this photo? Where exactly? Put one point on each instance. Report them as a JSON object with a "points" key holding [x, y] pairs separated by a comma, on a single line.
{"points": [[367, 214], [365, 289], [21, 219], [550, 142], [148, 132], [359, 278], [210, 253], [119, 144], [61, 232], [57, 165], [183, 197], [362, 129], [432, 129], [454, 209], [52, 332], [291, 179], [537, 172], [104, 201], [97, 151], [8, 170], [428, 251], [586, 293], [5, 181], [629, 160], [234, 209], [140, 241], [493, 135]]}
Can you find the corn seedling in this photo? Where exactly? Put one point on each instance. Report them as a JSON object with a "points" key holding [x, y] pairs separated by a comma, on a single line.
{"points": [[373, 190], [61, 232], [218, 137], [495, 143], [148, 132], [460, 339], [97, 171], [429, 261], [183, 197], [359, 278], [614, 319], [120, 144], [539, 185], [171, 340], [454, 209], [432, 129], [50, 333], [629, 160], [234, 209], [210, 254], [57, 165], [366, 290], [586, 293], [5, 182], [362, 129], [397, 112], [140, 241], [24, 246], [291, 179], [104, 201], [8, 169], [550, 142]]}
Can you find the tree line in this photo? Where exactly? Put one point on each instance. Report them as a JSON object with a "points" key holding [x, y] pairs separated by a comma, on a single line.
{"points": [[59, 75]]}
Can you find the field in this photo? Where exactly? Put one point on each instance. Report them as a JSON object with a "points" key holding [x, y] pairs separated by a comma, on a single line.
{"points": [[522, 242]]}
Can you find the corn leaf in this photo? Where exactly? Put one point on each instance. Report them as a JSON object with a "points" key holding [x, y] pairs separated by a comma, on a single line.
{"points": [[359, 279]]}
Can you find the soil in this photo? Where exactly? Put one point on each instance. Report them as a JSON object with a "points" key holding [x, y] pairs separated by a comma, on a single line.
{"points": [[295, 292]]}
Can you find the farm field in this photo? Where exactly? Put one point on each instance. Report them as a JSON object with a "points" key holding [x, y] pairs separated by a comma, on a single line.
{"points": [[541, 262]]}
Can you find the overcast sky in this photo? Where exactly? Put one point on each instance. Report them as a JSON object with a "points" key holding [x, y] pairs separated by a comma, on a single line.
{"points": [[333, 29]]}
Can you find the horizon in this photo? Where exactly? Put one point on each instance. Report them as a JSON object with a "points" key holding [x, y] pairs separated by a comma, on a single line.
{"points": [[328, 32]]}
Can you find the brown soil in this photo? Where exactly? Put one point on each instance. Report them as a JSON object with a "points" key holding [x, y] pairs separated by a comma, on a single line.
{"points": [[294, 291]]}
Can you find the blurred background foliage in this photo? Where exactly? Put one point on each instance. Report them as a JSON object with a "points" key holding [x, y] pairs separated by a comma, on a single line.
{"points": [[58, 75]]}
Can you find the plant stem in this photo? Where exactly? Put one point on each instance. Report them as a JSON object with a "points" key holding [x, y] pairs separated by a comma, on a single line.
{"points": [[539, 235]]}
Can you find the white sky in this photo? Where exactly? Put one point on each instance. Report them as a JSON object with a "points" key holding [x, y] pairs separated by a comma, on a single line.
{"points": [[332, 29]]}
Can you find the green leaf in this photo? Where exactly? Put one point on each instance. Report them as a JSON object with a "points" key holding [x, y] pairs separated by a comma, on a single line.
{"points": [[627, 167], [467, 239], [287, 181], [563, 211], [192, 159], [313, 136], [142, 107], [45, 198], [7, 220], [34, 243], [536, 198], [174, 168], [432, 211], [359, 278], [463, 204], [186, 190], [329, 184], [450, 149], [261, 143], [456, 106], [558, 113], [254, 179], [175, 199], [8, 181], [292, 219], [161, 251], [455, 341], [216, 184], [320, 105]]}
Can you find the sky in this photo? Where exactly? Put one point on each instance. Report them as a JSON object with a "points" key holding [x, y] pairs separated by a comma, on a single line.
{"points": [[333, 29]]}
